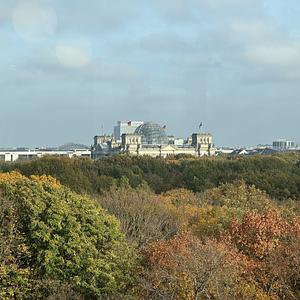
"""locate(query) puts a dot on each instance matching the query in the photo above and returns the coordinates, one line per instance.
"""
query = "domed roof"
(152, 134)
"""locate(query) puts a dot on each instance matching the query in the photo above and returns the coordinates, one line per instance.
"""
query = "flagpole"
(200, 127)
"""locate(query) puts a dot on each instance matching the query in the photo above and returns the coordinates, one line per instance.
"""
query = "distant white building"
(225, 150)
(11, 155)
(283, 144)
(125, 127)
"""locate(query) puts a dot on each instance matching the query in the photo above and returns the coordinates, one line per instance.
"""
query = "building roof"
(152, 134)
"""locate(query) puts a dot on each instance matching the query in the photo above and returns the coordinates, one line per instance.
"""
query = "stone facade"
(201, 146)
(198, 145)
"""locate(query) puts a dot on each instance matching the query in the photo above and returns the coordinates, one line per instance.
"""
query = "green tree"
(60, 236)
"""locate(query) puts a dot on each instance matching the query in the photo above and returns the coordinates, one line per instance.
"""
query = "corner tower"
(203, 144)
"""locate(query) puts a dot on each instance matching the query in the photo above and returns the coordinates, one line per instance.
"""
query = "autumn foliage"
(242, 247)
(55, 242)
(182, 229)
(272, 246)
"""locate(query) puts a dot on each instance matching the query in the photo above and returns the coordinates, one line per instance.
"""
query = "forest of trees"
(143, 228)
(278, 175)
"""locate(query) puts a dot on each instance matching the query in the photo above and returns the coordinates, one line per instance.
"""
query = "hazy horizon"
(69, 67)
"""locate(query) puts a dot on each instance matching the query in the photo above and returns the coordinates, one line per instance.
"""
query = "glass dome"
(152, 134)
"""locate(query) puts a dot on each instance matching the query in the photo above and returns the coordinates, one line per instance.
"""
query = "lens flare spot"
(34, 21)
(73, 54)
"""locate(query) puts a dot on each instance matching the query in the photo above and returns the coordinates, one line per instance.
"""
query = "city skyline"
(67, 68)
(129, 127)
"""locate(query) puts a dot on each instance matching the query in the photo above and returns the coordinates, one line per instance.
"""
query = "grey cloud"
(188, 11)
(254, 30)
(33, 72)
(6, 8)
(166, 43)
(228, 63)
(258, 47)
(93, 16)
(274, 55)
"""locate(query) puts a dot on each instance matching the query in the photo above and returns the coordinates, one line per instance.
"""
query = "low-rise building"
(12, 155)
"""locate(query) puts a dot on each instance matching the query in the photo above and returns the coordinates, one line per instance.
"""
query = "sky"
(70, 68)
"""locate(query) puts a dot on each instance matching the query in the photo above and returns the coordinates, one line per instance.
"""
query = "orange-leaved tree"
(273, 246)
(188, 268)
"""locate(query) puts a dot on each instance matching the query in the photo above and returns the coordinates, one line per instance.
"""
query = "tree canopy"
(176, 229)
(50, 234)
(277, 175)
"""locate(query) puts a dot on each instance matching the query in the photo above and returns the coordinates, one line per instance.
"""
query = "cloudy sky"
(69, 67)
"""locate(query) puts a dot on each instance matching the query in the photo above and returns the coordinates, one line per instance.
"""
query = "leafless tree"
(143, 216)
